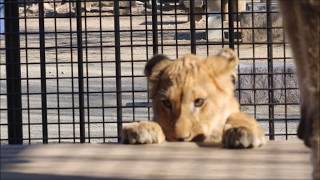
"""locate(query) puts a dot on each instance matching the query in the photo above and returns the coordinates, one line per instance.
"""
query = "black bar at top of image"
(231, 13)
(118, 67)
(192, 28)
(43, 74)
(270, 71)
(80, 72)
(154, 27)
(13, 72)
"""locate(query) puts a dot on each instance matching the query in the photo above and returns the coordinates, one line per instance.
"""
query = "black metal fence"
(71, 71)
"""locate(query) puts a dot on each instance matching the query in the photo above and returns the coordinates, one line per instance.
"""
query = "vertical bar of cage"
(285, 83)
(235, 15)
(176, 29)
(13, 72)
(43, 74)
(192, 28)
(132, 64)
(231, 25)
(161, 27)
(254, 62)
(118, 66)
(1, 63)
(102, 73)
(270, 70)
(87, 71)
(147, 53)
(207, 26)
(57, 72)
(27, 70)
(80, 71)
(154, 27)
(72, 75)
(222, 13)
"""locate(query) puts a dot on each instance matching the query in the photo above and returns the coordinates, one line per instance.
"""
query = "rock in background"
(67, 9)
(256, 17)
(284, 82)
(259, 22)
(50, 9)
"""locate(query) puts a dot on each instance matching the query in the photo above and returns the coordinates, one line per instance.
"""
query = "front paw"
(142, 133)
(242, 137)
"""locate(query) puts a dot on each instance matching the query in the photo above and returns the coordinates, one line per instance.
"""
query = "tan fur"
(302, 22)
(142, 133)
(193, 100)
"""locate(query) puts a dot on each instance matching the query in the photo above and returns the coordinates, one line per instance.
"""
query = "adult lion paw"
(242, 137)
(142, 133)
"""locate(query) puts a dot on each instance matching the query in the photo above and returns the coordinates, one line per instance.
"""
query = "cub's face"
(192, 96)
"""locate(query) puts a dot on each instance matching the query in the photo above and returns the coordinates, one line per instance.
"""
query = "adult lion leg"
(302, 23)
(242, 131)
(145, 132)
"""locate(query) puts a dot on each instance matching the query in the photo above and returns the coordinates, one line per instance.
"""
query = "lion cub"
(193, 100)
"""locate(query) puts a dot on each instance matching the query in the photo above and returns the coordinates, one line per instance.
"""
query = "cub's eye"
(166, 103)
(199, 102)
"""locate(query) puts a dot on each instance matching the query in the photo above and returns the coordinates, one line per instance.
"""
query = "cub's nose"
(181, 139)
(199, 138)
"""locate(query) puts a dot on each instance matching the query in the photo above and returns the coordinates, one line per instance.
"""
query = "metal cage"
(72, 71)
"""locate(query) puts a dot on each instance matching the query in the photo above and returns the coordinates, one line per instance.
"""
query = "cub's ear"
(155, 65)
(225, 62)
